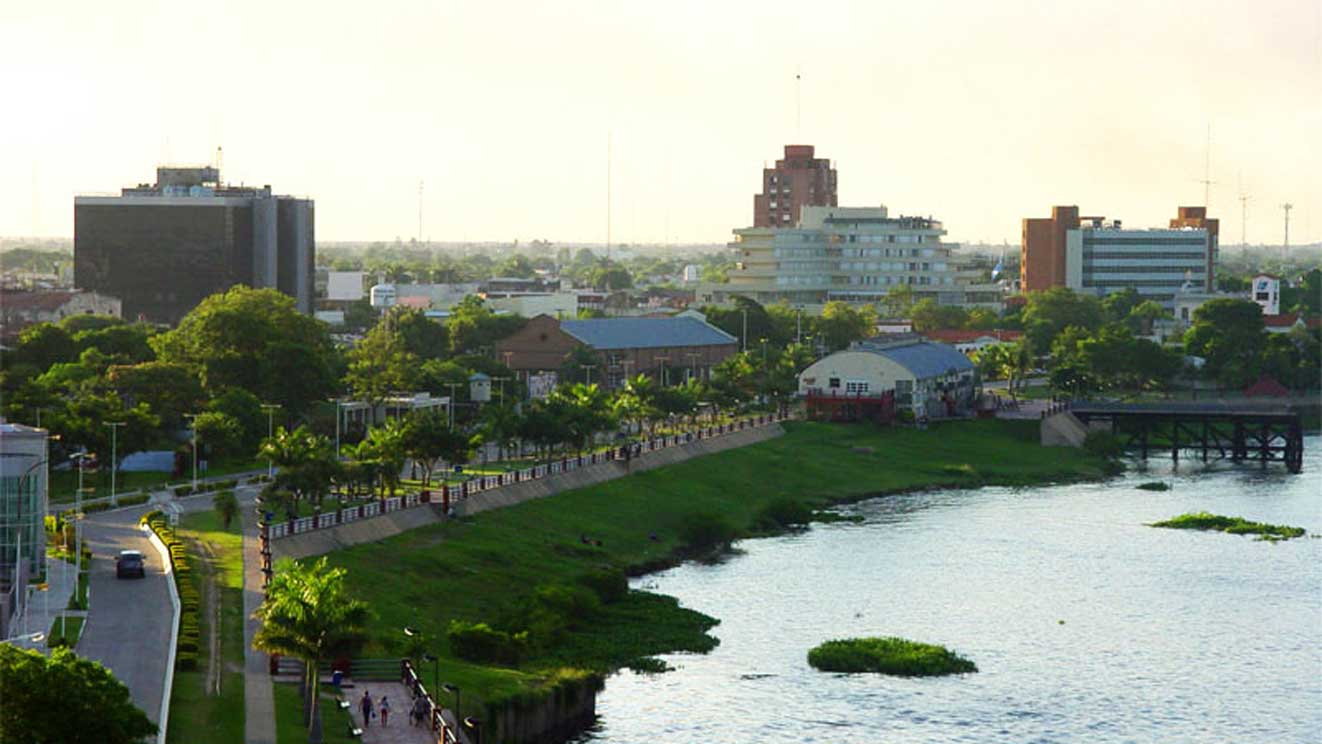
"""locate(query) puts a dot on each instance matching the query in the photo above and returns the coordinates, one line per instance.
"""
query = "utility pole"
(114, 457)
(450, 403)
(501, 390)
(744, 340)
(608, 196)
(662, 359)
(587, 370)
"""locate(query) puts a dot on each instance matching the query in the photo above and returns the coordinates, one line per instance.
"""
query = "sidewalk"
(258, 695)
(399, 731)
(44, 607)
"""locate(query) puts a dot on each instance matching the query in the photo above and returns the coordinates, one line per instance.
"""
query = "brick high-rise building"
(797, 180)
(162, 248)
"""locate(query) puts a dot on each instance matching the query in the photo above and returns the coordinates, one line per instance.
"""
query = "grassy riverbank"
(487, 569)
(894, 656)
(207, 702)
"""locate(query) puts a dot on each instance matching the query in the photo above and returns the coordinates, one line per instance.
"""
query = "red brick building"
(682, 346)
(798, 179)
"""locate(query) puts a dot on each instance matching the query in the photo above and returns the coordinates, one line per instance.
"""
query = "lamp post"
(458, 705)
(476, 726)
(270, 433)
(587, 371)
(192, 418)
(114, 457)
(501, 392)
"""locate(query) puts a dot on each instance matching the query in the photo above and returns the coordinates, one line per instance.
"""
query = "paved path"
(258, 695)
(44, 607)
(128, 625)
(399, 731)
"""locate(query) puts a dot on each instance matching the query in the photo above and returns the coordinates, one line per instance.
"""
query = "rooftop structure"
(799, 179)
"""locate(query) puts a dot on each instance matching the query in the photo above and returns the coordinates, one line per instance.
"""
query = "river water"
(1086, 625)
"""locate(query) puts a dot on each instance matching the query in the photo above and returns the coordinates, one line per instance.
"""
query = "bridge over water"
(1240, 431)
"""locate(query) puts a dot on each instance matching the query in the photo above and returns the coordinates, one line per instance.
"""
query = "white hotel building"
(1158, 263)
(851, 254)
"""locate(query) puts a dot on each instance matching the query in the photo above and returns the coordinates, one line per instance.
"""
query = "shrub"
(783, 513)
(481, 643)
(186, 661)
(889, 655)
(609, 585)
(1103, 444)
(706, 531)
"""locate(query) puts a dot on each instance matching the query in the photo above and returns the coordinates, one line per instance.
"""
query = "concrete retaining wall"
(388, 525)
(1063, 429)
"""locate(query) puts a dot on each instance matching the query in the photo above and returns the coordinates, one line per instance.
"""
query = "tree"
(842, 324)
(428, 437)
(309, 614)
(500, 424)
(1119, 304)
(246, 409)
(982, 319)
(1142, 317)
(1053, 310)
(127, 344)
(227, 506)
(898, 301)
(1229, 335)
(381, 364)
(169, 390)
(45, 344)
(220, 434)
(81, 423)
(610, 276)
(423, 337)
(929, 316)
(385, 447)
(257, 340)
(65, 699)
(586, 410)
(307, 465)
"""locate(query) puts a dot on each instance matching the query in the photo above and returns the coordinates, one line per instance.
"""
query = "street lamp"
(192, 418)
(458, 706)
(114, 457)
(436, 663)
(476, 726)
(270, 433)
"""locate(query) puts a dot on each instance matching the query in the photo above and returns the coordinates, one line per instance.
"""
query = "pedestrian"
(366, 705)
(385, 711)
(420, 711)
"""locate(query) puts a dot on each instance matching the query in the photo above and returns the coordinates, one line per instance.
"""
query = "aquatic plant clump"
(1231, 525)
(1154, 486)
(888, 655)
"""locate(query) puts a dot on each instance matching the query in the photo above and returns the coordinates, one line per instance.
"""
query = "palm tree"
(386, 445)
(309, 615)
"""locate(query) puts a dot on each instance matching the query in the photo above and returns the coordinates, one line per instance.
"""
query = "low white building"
(929, 379)
(18, 310)
(1266, 292)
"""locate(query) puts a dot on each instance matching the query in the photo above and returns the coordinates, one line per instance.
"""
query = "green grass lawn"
(480, 568)
(289, 728)
(72, 627)
(196, 715)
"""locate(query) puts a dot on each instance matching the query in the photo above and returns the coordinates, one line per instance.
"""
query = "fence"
(409, 678)
(448, 493)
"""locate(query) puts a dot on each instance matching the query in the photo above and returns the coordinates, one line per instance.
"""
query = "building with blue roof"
(932, 380)
(670, 349)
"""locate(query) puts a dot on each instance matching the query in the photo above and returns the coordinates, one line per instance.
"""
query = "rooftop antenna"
(608, 196)
(1285, 250)
(1243, 215)
(798, 105)
(35, 233)
(419, 210)
(1207, 170)
(220, 160)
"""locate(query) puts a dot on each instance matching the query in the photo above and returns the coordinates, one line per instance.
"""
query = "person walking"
(366, 706)
(420, 711)
(385, 711)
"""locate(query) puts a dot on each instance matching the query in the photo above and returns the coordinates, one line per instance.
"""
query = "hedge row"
(190, 601)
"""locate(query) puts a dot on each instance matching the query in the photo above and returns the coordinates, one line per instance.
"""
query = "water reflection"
(1086, 624)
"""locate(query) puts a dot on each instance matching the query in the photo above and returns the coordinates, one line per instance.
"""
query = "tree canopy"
(65, 699)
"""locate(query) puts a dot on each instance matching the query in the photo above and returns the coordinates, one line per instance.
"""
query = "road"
(128, 627)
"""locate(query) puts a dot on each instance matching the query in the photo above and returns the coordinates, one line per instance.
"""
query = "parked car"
(130, 563)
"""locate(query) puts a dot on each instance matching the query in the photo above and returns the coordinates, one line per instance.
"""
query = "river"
(1086, 625)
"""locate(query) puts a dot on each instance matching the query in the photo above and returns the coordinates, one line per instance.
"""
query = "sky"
(977, 113)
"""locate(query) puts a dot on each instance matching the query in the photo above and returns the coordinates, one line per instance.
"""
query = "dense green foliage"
(888, 655)
(64, 699)
(487, 569)
(1231, 525)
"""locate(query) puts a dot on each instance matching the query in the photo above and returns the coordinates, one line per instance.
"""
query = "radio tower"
(1243, 222)
(1285, 250)
(419, 211)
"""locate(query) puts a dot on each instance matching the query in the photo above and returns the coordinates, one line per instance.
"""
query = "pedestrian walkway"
(399, 730)
(258, 695)
(43, 607)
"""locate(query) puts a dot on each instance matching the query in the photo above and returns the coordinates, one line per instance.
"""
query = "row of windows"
(1143, 269)
(1144, 241)
(886, 238)
(1145, 256)
(814, 280)
(892, 266)
(1137, 283)
(787, 252)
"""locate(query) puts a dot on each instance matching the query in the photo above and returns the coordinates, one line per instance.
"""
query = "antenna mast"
(1207, 169)
(1286, 248)
(1243, 221)
(798, 106)
(608, 196)
(419, 210)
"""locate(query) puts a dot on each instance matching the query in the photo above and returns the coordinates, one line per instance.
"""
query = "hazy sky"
(979, 113)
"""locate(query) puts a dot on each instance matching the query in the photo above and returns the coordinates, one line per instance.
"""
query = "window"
(856, 386)
(834, 382)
